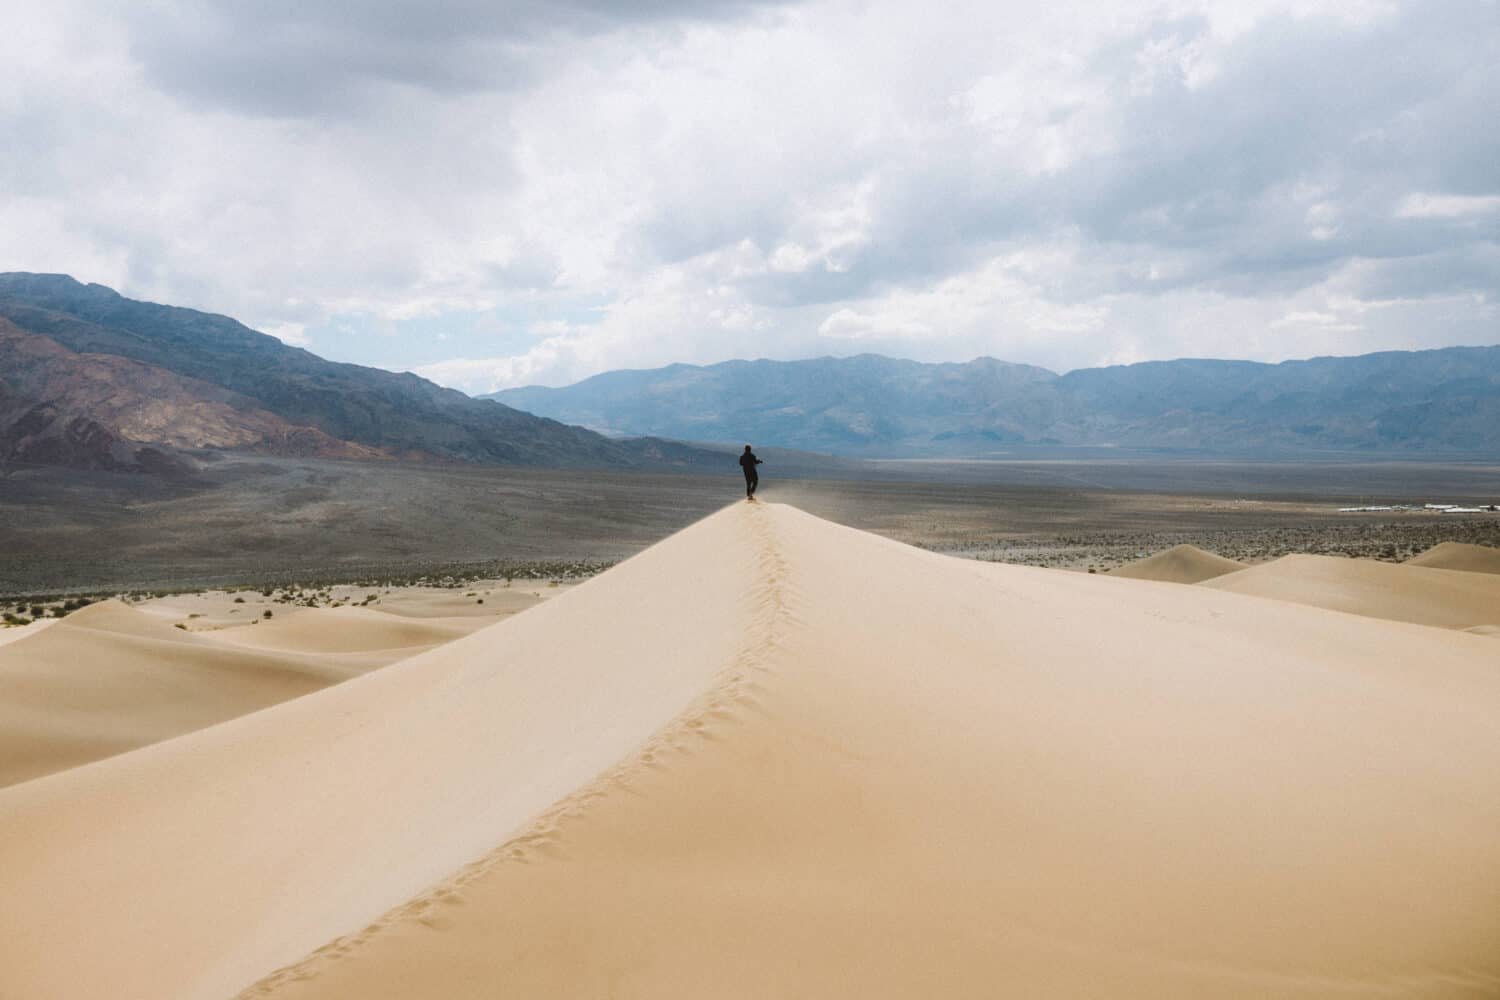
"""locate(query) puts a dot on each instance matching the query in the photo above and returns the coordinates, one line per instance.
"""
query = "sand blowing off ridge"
(772, 756)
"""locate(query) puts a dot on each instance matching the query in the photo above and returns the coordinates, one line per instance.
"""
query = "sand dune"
(15, 633)
(1400, 592)
(110, 678)
(347, 630)
(1179, 564)
(772, 757)
(1460, 556)
(483, 600)
(418, 602)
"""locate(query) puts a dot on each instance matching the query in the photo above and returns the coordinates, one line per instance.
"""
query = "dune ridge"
(111, 678)
(16, 633)
(773, 756)
(1402, 592)
(1179, 564)
(1459, 556)
(353, 799)
(346, 630)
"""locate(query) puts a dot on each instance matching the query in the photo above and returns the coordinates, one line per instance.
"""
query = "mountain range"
(1397, 402)
(91, 379)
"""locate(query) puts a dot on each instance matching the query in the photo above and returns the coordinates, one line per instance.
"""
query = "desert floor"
(307, 524)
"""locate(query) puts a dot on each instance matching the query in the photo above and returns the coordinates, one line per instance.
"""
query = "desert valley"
(750, 500)
(297, 703)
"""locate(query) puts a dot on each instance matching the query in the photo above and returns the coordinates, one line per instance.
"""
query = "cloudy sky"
(504, 193)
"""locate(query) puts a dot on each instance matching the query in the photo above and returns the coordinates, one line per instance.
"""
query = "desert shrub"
(267, 613)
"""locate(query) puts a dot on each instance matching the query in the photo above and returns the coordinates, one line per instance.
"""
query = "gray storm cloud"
(300, 58)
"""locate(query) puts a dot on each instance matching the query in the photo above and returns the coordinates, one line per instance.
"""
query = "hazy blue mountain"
(212, 376)
(1401, 401)
(833, 405)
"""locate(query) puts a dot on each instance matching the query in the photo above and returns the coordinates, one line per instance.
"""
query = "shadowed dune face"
(1459, 556)
(1400, 592)
(772, 757)
(111, 678)
(1179, 564)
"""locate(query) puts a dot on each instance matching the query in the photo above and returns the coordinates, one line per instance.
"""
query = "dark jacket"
(748, 462)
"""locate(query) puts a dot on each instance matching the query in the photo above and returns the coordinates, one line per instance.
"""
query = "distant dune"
(1401, 592)
(347, 630)
(1179, 564)
(111, 678)
(1460, 556)
(771, 756)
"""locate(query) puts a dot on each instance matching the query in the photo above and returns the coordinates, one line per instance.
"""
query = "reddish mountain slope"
(136, 402)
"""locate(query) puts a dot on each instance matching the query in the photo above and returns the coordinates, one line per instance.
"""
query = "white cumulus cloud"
(694, 180)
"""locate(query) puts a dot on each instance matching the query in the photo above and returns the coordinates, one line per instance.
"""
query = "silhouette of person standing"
(748, 462)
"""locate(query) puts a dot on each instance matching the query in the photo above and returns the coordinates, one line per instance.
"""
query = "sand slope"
(15, 633)
(1460, 556)
(347, 630)
(1400, 592)
(1179, 564)
(110, 678)
(775, 757)
(483, 601)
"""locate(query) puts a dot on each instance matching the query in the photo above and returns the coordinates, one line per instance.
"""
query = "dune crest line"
(769, 606)
(303, 823)
(971, 780)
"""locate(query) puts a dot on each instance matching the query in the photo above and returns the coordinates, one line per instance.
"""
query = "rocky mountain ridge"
(1396, 402)
(174, 378)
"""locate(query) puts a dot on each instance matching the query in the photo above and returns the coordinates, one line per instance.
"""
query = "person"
(748, 462)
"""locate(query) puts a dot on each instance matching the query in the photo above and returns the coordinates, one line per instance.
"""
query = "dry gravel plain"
(253, 521)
